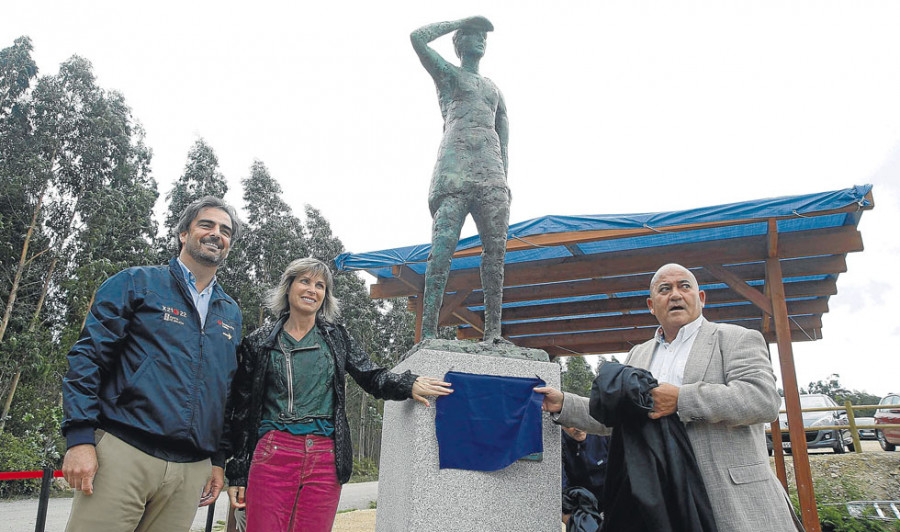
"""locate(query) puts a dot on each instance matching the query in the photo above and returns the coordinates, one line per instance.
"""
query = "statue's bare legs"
(490, 210)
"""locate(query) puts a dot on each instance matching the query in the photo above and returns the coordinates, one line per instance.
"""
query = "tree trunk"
(35, 318)
(9, 398)
(20, 268)
(362, 423)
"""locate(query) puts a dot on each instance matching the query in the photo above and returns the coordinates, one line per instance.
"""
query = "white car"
(866, 434)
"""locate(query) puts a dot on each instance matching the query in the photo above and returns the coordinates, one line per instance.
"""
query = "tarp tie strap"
(520, 239)
(569, 350)
(802, 329)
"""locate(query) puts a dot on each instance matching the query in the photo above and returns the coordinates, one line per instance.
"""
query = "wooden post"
(778, 453)
(854, 432)
(802, 475)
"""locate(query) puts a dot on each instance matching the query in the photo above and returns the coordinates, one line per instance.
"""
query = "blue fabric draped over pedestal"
(488, 422)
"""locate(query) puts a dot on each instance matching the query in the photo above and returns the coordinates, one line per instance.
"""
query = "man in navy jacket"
(148, 379)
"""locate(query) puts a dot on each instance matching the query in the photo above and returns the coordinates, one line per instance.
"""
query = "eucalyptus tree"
(19, 183)
(201, 177)
(273, 238)
(361, 316)
(578, 377)
(17, 70)
(20, 279)
(82, 142)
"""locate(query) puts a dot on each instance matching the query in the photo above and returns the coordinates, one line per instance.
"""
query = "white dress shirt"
(669, 358)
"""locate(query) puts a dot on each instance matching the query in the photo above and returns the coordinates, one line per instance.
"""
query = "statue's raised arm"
(470, 173)
(431, 60)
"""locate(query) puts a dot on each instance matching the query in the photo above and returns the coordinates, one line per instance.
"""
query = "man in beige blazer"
(718, 379)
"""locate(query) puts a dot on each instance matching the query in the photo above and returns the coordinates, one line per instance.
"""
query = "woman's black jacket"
(247, 393)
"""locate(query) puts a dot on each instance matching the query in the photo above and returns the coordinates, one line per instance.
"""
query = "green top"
(299, 392)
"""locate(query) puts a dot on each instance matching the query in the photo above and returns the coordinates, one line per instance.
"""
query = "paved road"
(19, 516)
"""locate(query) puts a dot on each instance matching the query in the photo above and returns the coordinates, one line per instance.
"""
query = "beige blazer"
(728, 393)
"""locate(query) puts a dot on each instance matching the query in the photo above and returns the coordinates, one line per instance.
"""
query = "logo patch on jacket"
(174, 315)
(228, 329)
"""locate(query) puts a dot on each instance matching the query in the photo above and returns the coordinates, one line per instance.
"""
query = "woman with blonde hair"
(289, 432)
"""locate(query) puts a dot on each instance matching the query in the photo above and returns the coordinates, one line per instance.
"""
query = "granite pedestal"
(414, 494)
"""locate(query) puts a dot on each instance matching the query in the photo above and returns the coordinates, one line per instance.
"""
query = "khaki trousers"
(136, 491)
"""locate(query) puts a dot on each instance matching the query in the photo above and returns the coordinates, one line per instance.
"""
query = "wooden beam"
(577, 237)
(816, 242)
(644, 319)
(595, 349)
(467, 316)
(636, 335)
(802, 474)
(408, 278)
(623, 304)
(603, 348)
(806, 335)
(451, 303)
(830, 265)
(740, 286)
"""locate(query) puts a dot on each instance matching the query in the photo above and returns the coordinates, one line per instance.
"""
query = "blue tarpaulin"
(795, 213)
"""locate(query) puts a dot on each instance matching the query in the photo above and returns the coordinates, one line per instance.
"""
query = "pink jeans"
(293, 484)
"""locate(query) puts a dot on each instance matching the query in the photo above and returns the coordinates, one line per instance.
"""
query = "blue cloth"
(488, 422)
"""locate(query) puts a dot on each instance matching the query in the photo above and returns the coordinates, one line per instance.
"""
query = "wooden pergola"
(577, 286)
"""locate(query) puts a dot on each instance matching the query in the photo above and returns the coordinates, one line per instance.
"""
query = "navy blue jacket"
(584, 464)
(145, 371)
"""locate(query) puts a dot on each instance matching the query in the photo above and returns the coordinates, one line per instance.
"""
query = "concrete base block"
(415, 495)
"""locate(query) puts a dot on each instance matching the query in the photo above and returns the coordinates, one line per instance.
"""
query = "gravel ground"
(872, 475)
(357, 521)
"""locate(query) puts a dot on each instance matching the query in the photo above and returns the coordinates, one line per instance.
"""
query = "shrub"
(836, 518)
(364, 470)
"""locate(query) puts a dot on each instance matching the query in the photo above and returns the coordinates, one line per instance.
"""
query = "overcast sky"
(614, 107)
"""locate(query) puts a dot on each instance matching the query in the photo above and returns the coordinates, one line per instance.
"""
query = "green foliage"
(364, 470)
(19, 454)
(836, 518)
(831, 386)
(17, 69)
(75, 179)
(201, 177)
(76, 185)
(273, 238)
(30, 445)
(578, 377)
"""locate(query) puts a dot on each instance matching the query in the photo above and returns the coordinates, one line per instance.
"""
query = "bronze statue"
(470, 173)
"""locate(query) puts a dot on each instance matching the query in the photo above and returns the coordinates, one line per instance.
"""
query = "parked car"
(866, 434)
(838, 440)
(888, 438)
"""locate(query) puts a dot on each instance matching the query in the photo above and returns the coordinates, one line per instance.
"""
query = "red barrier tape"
(19, 475)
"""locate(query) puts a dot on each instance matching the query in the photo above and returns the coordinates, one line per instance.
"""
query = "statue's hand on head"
(477, 23)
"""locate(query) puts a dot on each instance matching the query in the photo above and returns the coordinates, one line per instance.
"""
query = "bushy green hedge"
(20, 454)
(30, 441)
